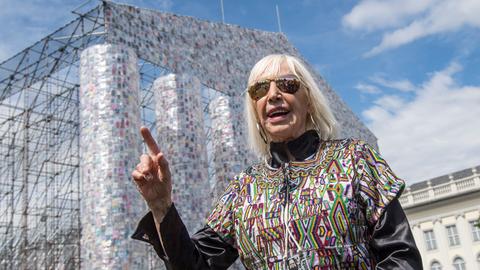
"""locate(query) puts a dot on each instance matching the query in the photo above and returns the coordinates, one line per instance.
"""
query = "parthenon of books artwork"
(70, 109)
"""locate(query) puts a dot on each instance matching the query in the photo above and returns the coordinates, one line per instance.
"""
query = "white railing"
(445, 190)
(442, 189)
(465, 184)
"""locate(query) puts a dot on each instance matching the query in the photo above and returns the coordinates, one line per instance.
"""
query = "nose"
(273, 92)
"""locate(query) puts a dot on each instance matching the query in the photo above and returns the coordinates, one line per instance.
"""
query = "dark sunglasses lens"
(258, 90)
(288, 85)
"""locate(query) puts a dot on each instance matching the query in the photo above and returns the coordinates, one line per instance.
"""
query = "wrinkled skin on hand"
(152, 177)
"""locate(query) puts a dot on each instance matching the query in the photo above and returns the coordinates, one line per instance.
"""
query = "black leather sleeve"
(204, 250)
(392, 242)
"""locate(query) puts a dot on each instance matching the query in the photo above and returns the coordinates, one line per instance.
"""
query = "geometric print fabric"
(313, 214)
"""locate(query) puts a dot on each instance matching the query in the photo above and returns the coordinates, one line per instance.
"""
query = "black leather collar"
(295, 150)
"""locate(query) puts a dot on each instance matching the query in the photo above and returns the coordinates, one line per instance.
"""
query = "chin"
(281, 134)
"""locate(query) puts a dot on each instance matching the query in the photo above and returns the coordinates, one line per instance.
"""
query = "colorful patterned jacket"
(316, 205)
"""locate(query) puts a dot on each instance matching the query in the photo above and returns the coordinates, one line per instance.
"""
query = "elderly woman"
(314, 202)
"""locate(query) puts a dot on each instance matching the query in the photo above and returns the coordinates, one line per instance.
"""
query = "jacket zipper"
(286, 179)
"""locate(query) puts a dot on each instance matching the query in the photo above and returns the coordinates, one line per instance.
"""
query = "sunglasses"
(286, 85)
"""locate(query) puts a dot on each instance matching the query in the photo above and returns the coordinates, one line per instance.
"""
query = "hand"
(152, 176)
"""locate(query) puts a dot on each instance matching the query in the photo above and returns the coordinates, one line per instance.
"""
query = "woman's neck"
(295, 150)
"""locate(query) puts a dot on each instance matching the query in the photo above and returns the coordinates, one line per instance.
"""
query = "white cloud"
(381, 14)
(367, 88)
(435, 133)
(402, 85)
(411, 19)
(390, 103)
(378, 81)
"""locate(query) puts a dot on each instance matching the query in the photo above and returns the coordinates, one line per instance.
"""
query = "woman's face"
(283, 116)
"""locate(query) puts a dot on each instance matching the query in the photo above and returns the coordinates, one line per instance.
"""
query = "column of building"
(109, 144)
(230, 152)
(181, 136)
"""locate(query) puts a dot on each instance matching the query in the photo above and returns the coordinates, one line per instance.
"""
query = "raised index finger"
(151, 143)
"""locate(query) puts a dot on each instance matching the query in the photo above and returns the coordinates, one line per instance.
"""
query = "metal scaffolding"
(39, 151)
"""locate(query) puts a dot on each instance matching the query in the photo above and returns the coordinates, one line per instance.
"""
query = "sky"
(407, 68)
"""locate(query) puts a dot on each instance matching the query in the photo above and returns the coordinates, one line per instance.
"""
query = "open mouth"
(277, 112)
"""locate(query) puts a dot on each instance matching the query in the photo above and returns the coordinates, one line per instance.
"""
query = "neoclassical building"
(442, 213)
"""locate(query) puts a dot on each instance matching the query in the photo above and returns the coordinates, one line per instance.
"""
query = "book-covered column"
(230, 154)
(181, 136)
(109, 143)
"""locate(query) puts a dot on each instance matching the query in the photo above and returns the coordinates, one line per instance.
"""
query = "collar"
(297, 149)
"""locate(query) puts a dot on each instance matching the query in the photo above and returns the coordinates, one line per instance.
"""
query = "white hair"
(269, 67)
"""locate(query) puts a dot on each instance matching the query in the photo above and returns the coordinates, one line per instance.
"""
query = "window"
(430, 240)
(453, 238)
(459, 264)
(436, 266)
(475, 230)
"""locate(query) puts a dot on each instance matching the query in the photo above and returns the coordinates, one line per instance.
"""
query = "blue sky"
(407, 68)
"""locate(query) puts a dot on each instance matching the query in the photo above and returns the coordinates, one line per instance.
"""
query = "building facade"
(443, 213)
